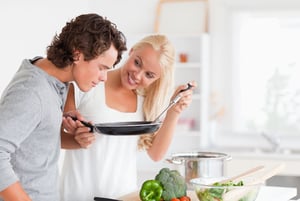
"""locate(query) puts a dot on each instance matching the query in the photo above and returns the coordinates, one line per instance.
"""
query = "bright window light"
(266, 63)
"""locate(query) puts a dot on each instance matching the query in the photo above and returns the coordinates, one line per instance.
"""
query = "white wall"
(131, 16)
(27, 27)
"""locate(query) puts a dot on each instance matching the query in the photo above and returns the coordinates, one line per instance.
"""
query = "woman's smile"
(131, 79)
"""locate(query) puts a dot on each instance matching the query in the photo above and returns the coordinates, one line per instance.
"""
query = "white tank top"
(107, 168)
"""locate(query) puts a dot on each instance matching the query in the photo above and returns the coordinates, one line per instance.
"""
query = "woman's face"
(88, 74)
(141, 69)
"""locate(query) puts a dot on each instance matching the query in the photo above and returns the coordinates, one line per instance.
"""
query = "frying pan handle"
(188, 87)
(173, 101)
(177, 98)
(174, 161)
(104, 199)
(85, 123)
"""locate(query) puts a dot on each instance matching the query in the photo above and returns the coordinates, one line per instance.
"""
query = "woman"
(138, 90)
(31, 105)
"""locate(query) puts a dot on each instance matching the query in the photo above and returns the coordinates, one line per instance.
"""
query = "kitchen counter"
(245, 158)
(272, 193)
(267, 193)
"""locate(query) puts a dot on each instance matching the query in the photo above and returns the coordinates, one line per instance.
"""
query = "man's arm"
(14, 192)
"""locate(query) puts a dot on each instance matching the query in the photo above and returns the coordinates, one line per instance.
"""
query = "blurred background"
(243, 54)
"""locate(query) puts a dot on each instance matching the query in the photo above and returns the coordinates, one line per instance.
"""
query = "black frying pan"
(124, 128)
(132, 127)
(104, 199)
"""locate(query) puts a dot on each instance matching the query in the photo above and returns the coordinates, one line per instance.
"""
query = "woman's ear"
(130, 51)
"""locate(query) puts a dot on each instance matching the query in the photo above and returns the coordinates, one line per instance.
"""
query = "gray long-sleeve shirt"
(30, 118)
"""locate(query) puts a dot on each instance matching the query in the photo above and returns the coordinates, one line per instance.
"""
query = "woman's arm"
(163, 137)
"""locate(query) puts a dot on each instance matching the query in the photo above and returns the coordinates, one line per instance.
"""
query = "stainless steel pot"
(200, 164)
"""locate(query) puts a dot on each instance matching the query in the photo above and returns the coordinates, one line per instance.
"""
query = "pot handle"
(173, 161)
(228, 158)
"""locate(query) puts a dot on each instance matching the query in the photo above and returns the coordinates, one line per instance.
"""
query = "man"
(32, 104)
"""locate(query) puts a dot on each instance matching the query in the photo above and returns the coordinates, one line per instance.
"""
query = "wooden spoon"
(236, 194)
(242, 175)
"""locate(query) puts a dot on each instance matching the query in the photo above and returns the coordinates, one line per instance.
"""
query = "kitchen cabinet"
(192, 63)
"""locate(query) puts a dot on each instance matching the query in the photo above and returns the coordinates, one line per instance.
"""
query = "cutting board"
(135, 196)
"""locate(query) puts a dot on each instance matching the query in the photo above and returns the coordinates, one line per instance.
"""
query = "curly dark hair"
(91, 34)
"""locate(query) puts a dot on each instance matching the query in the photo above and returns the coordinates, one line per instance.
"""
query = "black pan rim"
(128, 124)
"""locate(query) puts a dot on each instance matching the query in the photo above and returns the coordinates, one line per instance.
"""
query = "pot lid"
(200, 156)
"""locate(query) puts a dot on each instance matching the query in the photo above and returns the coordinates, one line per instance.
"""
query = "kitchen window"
(255, 73)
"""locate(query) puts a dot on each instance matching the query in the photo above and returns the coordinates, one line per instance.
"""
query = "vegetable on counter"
(151, 191)
(168, 185)
(216, 194)
(183, 198)
(173, 183)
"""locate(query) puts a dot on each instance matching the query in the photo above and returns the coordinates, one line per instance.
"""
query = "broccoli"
(173, 183)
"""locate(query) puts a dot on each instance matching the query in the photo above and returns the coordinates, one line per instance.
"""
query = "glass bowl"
(208, 189)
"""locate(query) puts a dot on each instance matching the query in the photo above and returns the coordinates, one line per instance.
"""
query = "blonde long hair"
(157, 95)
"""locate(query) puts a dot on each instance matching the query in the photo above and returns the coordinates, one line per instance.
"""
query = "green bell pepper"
(151, 191)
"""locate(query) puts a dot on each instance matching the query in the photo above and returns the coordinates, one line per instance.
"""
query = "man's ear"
(76, 55)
